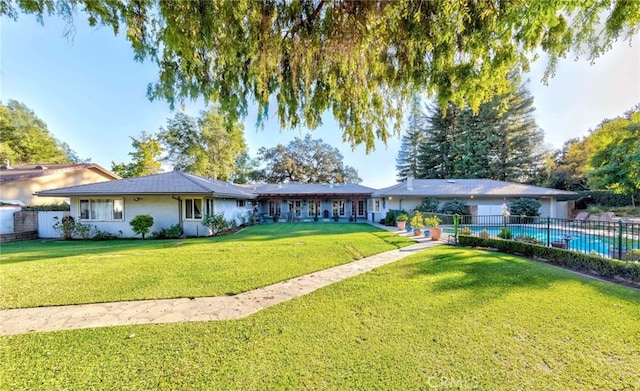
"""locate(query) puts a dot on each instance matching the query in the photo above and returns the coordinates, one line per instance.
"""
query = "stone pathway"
(26, 320)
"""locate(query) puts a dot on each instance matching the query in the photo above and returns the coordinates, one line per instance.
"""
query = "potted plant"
(336, 217)
(417, 222)
(401, 221)
(434, 223)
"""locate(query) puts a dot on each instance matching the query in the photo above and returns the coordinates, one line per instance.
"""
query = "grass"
(444, 318)
(36, 274)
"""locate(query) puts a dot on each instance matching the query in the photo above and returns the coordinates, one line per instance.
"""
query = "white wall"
(6, 218)
(46, 221)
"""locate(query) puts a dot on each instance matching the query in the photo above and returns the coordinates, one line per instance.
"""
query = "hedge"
(608, 198)
(605, 267)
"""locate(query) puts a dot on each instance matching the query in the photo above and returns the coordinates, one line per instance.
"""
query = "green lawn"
(36, 274)
(446, 318)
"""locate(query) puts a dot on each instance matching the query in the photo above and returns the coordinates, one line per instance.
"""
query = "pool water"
(577, 241)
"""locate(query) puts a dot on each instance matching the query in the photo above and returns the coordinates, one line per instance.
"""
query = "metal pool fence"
(610, 239)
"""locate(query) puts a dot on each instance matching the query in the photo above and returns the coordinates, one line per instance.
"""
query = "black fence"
(610, 239)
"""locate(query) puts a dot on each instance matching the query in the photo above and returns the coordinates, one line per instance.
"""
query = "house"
(483, 196)
(170, 198)
(19, 183)
(181, 198)
(305, 201)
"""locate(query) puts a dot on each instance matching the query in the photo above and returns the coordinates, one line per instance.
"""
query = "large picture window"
(101, 209)
(192, 208)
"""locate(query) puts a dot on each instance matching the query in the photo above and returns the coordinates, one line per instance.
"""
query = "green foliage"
(608, 198)
(62, 207)
(24, 138)
(203, 146)
(408, 160)
(141, 224)
(360, 60)
(568, 169)
(432, 221)
(305, 161)
(454, 207)
(575, 260)
(505, 233)
(100, 235)
(429, 205)
(173, 232)
(390, 219)
(64, 226)
(216, 223)
(525, 207)
(465, 231)
(417, 220)
(615, 161)
(145, 158)
(501, 141)
(402, 217)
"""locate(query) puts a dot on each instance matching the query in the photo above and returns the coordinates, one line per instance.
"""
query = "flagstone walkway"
(69, 317)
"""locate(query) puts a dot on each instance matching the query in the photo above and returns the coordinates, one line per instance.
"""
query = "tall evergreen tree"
(488, 144)
(408, 158)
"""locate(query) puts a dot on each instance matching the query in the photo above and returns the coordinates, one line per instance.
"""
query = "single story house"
(20, 182)
(483, 196)
(181, 198)
(170, 198)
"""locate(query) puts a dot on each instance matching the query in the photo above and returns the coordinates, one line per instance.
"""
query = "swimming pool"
(574, 240)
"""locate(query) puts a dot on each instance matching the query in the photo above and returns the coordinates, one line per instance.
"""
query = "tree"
(568, 171)
(408, 159)
(615, 161)
(145, 157)
(203, 146)
(358, 59)
(306, 161)
(24, 138)
(494, 143)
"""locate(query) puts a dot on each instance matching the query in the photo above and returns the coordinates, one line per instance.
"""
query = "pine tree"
(409, 154)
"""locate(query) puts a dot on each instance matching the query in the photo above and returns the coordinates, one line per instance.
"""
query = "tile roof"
(175, 182)
(28, 171)
(310, 189)
(468, 187)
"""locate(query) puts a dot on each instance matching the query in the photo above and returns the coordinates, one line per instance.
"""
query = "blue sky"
(92, 94)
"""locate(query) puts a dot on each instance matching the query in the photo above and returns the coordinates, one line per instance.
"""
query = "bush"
(65, 227)
(417, 220)
(62, 207)
(603, 266)
(141, 224)
(217, 224)
(505, 233)
(173, 232)
(525, 207)
(465, 231)
(429, 205)
(455, 207)
(605, 198)
(106, 235)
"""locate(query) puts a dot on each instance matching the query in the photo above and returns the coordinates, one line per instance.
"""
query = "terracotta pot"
(436, 233)
(402, 225)
(417, 232)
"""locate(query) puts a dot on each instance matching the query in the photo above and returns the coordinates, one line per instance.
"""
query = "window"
(376, 205)
(358, 208)
(314, 206)
(241, 203)
(338, 208)
(274, 209)
(193, 208)
(101, 209)
(209, 209)
(295, 206)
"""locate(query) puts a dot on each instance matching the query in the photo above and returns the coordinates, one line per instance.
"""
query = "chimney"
(410, 182)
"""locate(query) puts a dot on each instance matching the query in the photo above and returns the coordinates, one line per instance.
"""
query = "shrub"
(141, 224)
(390, 219)
(106, 235)
(432, 221)
(505, 233)
(605, 198)
(465, 231)
(217, 224)
(402, 217)
(417, 220)
(603, 266)
(454, 207)
(484, 234)
(525, 207)
(65, 226)
(84, 230)
(62, 207)
(429, 205)
(173, 232)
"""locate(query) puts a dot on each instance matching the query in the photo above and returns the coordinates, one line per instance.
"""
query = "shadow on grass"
(38, 250)
(488, 275)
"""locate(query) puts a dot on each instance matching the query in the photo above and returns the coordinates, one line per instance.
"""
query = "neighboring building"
(170, 198)
(22, 181)
(483, 196)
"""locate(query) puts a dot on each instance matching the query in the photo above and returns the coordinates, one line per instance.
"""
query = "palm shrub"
(141, 224)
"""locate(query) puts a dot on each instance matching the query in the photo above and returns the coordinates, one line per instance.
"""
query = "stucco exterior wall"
(23, 189)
